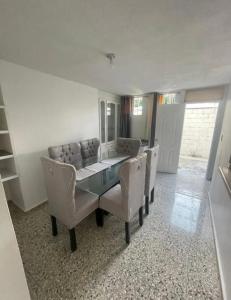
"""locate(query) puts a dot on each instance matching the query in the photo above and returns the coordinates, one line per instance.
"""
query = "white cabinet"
(109, 125)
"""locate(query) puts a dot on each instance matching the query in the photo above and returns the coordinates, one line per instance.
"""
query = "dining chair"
(65, 203)
(127, 198)
(150, 177)
(128, 146)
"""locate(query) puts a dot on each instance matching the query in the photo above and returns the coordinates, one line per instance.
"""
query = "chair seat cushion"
(86, 203)
(111, 201)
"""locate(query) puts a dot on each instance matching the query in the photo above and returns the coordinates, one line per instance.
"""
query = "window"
(167, 99)
(108, 110)
(138, 106)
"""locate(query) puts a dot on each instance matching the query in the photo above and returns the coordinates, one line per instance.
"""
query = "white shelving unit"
(6, 156)
(4, 131)
(8, 173)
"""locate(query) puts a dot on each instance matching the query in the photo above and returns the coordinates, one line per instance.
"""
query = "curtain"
(153, 122)
(213, 94)
(125, 118)
(149, 107)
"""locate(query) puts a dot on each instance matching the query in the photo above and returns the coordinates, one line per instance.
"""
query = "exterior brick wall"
(198, 131)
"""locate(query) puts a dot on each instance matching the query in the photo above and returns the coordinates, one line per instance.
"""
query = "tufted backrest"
(68, 153)
(132, 181)
(128, 146)
(89, 151)
(151, 168)
(60, 180)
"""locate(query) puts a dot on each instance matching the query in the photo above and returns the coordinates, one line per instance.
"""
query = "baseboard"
(36, 205)
(16, 204)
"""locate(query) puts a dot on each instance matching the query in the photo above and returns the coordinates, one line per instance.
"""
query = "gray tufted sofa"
(79, 155)
(89, 151)
(85, 152)
(69, 153)
(128, 146)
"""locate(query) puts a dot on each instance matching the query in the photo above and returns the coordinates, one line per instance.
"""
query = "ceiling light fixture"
(111, 57)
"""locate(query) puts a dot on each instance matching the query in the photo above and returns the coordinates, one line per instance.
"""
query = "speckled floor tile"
(172, 256)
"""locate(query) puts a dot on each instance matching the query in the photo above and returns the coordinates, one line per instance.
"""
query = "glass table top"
(102, 181)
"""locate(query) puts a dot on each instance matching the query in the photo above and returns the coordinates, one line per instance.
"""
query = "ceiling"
(159, 45)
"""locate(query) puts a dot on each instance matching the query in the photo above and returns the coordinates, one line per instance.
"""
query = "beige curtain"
(205, 95)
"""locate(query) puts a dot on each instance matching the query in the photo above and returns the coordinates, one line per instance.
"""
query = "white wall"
(44, 110)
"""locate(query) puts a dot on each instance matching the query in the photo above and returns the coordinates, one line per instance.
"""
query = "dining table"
(102, 180)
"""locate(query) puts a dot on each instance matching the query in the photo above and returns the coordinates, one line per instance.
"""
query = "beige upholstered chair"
(127, 198)
(65, 203)
(150, 178)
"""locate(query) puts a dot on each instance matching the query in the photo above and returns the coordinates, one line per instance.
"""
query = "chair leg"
(72, 239)
(54, 226)
(99, 217)
(152, 195)
(146, 205)
(127, 232)
(141, 216)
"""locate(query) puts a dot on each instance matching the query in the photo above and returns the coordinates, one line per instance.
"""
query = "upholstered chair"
(66, 204)
(89, 151)
(128, 146)
(127, 198)
(69, 153)
(150, 177)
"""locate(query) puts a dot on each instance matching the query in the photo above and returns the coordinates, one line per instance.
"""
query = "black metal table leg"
(54, 226)
(72, 239)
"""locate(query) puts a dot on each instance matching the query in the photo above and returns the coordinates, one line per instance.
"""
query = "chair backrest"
(60, 180)
(132, 181)
(151, 168)
(128, 146)
(89, 151)
(68, 153)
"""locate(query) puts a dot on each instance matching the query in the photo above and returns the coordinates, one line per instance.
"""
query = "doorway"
(198, 129)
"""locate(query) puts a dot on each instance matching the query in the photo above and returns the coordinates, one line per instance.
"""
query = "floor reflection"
(185, 212)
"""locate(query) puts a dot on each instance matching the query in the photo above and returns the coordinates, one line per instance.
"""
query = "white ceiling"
(159, 44)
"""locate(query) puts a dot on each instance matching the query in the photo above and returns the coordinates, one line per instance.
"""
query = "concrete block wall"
(198, 131)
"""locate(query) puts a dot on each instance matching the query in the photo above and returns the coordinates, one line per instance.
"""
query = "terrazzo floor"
(193, 163)
(171, 257)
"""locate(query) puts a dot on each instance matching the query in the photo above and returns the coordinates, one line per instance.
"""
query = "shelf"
(4, 131)
(7, 175)
(5, 155)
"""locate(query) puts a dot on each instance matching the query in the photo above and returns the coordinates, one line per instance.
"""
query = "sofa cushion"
(68, 153)
(89, 151)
